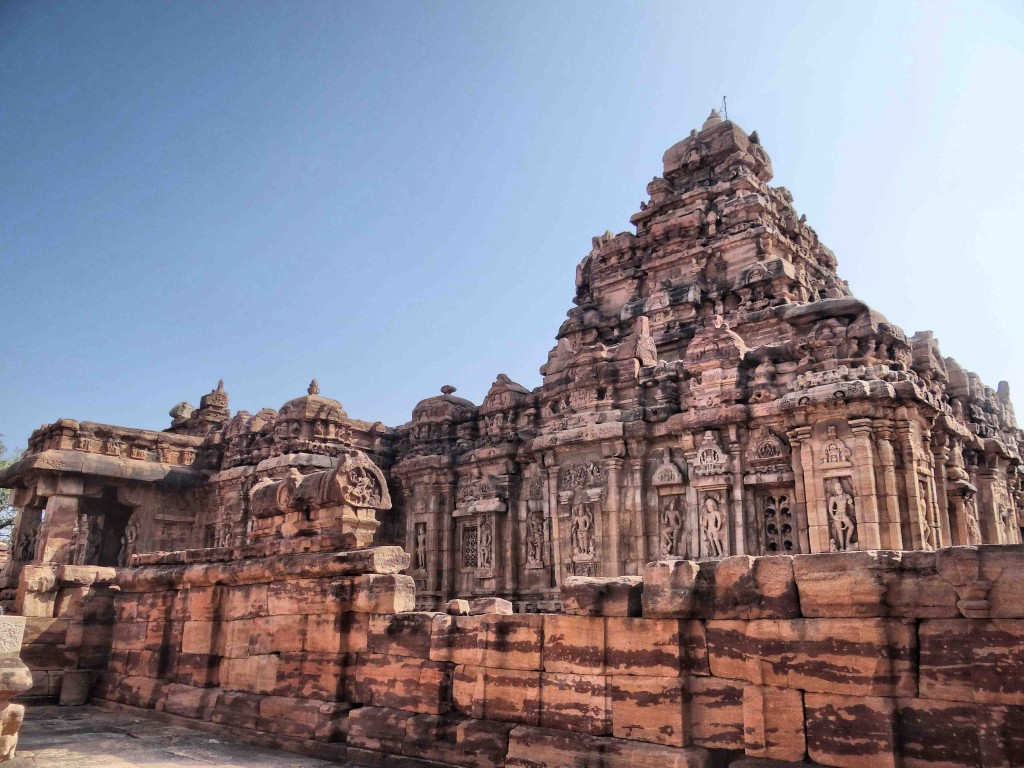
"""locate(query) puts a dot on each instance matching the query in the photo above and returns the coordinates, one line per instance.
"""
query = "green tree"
(7, 512)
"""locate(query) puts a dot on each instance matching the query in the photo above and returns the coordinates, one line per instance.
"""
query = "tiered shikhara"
(716, 390)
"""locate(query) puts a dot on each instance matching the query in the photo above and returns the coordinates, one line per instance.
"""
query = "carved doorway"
(106, 521)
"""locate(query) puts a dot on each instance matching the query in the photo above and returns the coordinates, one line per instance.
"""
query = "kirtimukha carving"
(715, 389)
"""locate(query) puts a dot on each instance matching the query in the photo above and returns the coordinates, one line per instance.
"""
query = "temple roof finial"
(314, 388)
(713, 119)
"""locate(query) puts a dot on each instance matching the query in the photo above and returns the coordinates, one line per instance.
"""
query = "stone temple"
(724, 435)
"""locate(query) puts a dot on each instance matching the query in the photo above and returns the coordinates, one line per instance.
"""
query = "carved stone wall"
(714, 391)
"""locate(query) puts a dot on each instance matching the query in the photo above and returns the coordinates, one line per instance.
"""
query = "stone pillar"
(917, 507)
(817, 516)
(739, 527)
(611, 508)
(636, 470)
(960, 530)
(868, 524)
(891, 531)
(988, 511)
(797, 438)
(57, 532)
(445, 504)
(635, 506)
(940, 455)
(551, 474)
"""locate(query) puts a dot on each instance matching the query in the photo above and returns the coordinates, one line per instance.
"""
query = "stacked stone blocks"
(847, 660)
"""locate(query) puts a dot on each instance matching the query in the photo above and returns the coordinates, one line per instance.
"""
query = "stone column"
(551, 474)
(988, 512)
(868, 524)
(57, 531)
(797, 438)
(891, 530)
(917, 507)
(961, 535)
(611, 508)
(739, 528)
(940, 455)
(636, 506)
(636, 470)
(817, 517)
(445, 504)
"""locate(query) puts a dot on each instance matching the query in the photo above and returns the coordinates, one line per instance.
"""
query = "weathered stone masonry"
(855, 659)
(743, 519)
(715, 391)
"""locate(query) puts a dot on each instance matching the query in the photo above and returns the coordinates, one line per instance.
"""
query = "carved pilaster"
(890, 529)
(739, 519)
(612, 467)
(809, 514)
(868, 526)
(550, 473)
(917, 504)
(798, 437)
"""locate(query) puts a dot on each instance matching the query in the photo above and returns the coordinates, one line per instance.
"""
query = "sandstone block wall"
(852, 660)
(69, 614)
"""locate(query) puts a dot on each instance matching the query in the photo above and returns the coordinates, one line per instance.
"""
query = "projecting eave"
(96, 465)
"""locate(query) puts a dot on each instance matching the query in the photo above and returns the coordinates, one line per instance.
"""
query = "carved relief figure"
(671, 525)
(582, 535)
(128, 542)
(922, 517)
(486, 559)
(711, 524)
(973, 528)
(535, 539)
(841, 516)
(362, 490)
(421, 546)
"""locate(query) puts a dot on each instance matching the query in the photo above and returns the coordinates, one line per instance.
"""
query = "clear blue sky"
(393, 196)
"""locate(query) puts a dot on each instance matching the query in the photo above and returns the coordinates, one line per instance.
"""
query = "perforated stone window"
(778, 526)
(471, 546)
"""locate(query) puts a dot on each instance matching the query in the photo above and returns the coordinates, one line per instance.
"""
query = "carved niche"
(581, 488)
(477, 503)
(842, 514)
(670, 481)
(713, 519)
(536, 528)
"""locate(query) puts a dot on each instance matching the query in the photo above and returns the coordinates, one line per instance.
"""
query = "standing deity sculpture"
(486, 544)
(841, 516)
(671, 525)
(535, 539)
(712, 523)
(421, 546)
(582, 535)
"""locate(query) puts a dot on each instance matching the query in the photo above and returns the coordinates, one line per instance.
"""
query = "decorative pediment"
(715, 346)
(710, 459)
(667, 473)
(503, 394)
(767, 448)
(478, 494)
(834, 453)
